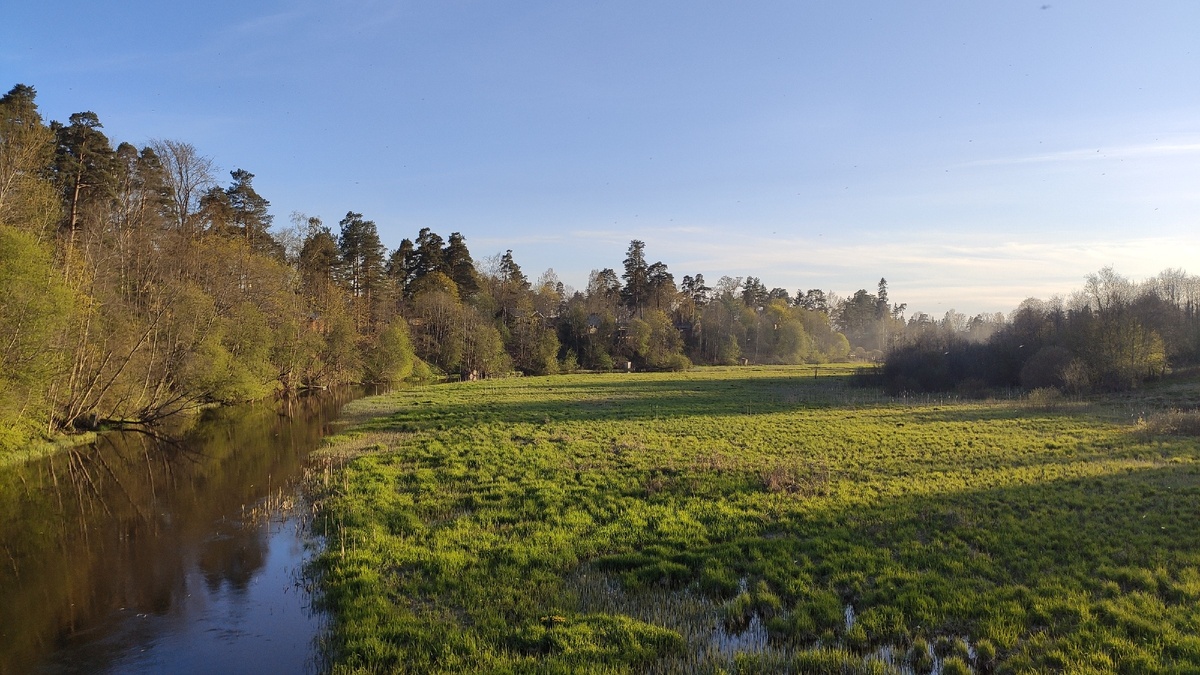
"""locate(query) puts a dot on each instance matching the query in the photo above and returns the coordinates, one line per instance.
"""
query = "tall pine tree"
(363, 266)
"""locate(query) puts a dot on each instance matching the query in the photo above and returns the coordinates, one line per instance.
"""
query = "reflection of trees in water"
(232, 557)
(119, 524)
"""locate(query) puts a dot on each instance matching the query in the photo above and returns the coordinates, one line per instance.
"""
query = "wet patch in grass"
(756, 520)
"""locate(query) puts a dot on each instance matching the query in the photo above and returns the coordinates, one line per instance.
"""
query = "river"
(142, 555)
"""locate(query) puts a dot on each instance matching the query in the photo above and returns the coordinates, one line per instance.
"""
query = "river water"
(140, 555)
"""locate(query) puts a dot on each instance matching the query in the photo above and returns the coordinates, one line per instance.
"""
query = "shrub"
(1044, 398)
(1170, 423)
(1076, 378)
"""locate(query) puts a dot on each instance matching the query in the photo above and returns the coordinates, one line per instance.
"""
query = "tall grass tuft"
(1170, 423)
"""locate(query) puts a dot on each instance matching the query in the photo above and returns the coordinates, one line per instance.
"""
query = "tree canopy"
(133, 286)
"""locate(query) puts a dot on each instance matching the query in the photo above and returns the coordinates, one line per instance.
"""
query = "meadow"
(760, 520)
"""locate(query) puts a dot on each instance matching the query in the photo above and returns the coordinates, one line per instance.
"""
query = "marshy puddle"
(710, 640)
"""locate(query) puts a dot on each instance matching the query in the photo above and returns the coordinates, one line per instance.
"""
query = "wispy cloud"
(1142, 151)
(270, 22)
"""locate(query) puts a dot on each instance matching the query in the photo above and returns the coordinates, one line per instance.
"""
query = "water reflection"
(141, 554)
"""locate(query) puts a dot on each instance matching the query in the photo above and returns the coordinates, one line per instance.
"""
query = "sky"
(974, 154)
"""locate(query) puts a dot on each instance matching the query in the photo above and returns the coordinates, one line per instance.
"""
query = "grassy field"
(760, 520)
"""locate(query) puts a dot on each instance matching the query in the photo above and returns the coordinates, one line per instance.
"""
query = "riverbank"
(758, 519)
(43, 448)
(185, 554)
(172, 426)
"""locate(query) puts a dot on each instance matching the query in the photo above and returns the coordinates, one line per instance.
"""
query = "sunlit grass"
(757, 520)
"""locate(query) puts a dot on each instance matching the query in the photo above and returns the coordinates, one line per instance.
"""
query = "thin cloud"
(270, 22)
(1144, 151)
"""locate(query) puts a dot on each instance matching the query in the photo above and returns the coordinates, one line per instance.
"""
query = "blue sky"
(973, 153)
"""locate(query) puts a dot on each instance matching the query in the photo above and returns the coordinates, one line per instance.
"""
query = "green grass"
(758, 520)
(34, 450)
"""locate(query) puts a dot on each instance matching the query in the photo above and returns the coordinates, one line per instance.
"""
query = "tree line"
(134, 284)
(1111, 335)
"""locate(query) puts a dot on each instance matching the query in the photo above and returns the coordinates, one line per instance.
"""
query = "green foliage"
(230, 363)
(655, 344)
(594, 639)
(421, 371)
(28, 201)
(826, 661)
(955, 665)
(389, 358)
(438, 320)
(1116, 336)
(166, 292)
(319, 265)
(363, 269)
(1041, 540)
(248, 217)
(34, 308)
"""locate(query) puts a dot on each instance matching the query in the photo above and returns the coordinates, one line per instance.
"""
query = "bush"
(1076, 378)
(569, 363)
(604, 362)
(1044, 398)
(421, 372)
(390, 358)
(1171, 423)
(985, 652)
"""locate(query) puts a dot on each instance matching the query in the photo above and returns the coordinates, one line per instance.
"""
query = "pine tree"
(459, 265)
(320, 262)
(83, 171)
(637, 277)
(429, 254)
(510, 272)
(249, 216)
(27, 198)
(363, 261)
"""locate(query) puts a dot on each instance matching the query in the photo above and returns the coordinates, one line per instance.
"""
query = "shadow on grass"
(1096, 572)
(608, 398)
(1096, 568)
(1051, 573)
(831, 406)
